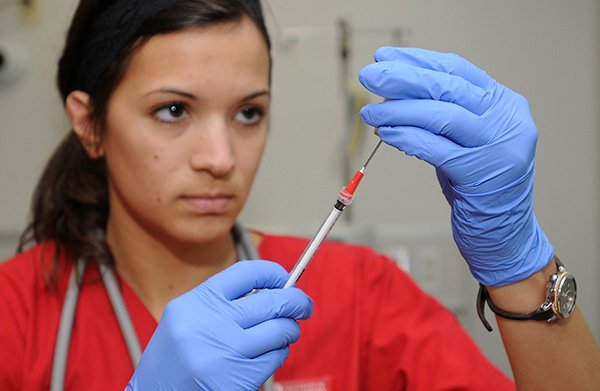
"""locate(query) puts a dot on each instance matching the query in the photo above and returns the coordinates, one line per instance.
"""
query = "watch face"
(566, 295)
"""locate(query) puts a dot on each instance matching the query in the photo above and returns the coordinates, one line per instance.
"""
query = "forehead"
(233, 53)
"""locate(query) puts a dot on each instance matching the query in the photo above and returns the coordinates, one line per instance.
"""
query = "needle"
(344, 199)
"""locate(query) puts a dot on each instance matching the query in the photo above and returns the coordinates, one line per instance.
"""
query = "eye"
(172, 112)
(250, 115)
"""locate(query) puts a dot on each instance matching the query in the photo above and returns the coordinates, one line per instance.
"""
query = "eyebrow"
(257, 94)
(194, 97)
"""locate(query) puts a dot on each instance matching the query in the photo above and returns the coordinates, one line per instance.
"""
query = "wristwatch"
(559, 304)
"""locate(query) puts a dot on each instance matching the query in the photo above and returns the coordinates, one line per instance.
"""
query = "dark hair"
(70, 202)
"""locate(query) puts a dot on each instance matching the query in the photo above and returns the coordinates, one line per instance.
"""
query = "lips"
(209, 204)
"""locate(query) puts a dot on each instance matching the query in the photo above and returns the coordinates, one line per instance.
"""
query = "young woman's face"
(185, 132)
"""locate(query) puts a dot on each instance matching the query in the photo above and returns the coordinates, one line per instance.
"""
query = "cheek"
(136, 170)
(158, 176)
(158, 197)
(138, 162)
(250, 155)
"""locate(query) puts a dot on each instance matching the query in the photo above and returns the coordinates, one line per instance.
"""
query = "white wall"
(31, 115)
(548, 50)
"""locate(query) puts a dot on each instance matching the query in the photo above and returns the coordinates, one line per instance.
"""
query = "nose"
(213, 149)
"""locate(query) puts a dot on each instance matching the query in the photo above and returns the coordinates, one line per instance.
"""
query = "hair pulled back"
(70, 202)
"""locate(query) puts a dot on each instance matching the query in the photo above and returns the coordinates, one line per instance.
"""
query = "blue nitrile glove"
(215, 338)
(481, 139)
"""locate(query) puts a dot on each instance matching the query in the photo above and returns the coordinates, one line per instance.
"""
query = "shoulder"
(352, 277)
(286, 248)
(24, 275)
(342, 262)
(24, 300)
(25, 267)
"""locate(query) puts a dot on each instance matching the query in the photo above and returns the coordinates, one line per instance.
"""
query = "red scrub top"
(372, 328)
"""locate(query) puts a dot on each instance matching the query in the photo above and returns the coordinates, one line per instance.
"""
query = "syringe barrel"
(345, 197)
(312, 247)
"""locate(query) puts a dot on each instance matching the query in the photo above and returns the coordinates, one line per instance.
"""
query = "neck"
(158, 272)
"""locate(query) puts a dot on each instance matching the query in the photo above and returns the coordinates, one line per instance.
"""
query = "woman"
(169, 102)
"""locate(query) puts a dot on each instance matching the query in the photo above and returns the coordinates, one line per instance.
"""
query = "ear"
(79, 111)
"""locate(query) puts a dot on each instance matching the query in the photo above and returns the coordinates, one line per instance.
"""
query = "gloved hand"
(215, 338)
(481, 139)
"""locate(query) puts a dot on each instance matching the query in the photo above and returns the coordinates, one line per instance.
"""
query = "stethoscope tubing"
(245, 249)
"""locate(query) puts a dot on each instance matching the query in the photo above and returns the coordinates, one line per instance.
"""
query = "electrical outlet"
(30, 12)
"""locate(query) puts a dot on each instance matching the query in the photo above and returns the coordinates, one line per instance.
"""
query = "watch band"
(544, 312)
(483, 296)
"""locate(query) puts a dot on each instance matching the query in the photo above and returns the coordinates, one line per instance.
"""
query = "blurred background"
(547, 50)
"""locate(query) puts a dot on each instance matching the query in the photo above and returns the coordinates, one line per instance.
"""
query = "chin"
(207, 231)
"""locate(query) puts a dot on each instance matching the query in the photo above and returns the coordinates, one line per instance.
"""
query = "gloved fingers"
(397, 80)
(435, 150)
(445, 185)
(447, 119)
(271, 335)
(255, 372)
(242, 277)
(271, 304)
(443, 62)
(271, 361)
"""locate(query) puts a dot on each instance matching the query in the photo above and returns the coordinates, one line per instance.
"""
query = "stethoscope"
(245, 249)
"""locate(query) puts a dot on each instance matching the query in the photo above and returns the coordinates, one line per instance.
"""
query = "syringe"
(344, 199)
